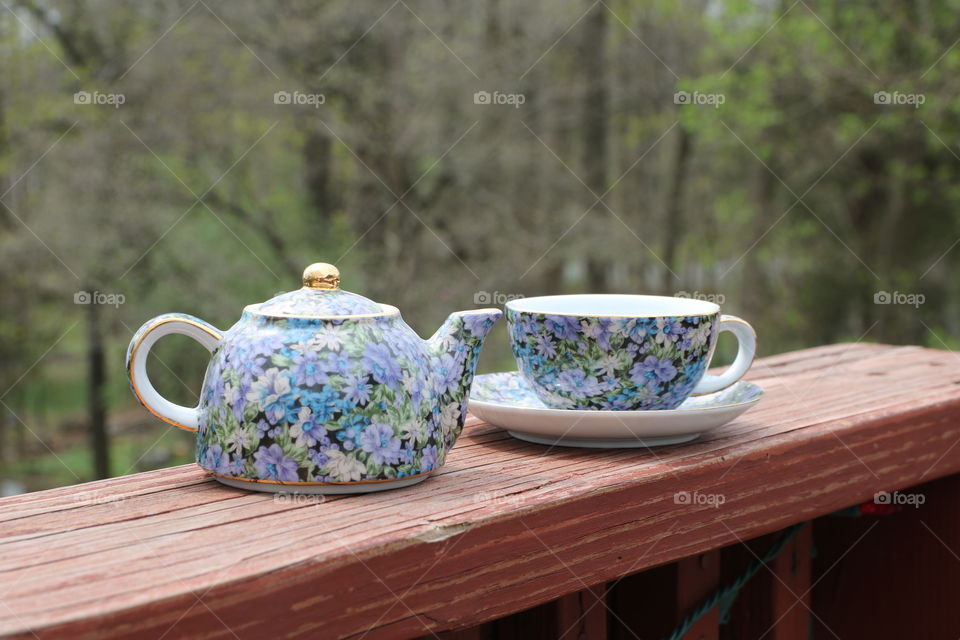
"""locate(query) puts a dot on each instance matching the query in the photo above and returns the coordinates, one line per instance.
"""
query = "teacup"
(622, 352)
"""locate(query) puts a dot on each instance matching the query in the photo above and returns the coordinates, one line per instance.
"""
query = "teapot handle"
(187, 418)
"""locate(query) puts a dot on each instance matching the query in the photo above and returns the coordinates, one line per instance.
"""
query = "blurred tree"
(796, 198)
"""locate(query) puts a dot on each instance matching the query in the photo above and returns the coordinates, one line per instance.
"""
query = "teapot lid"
(321, 296)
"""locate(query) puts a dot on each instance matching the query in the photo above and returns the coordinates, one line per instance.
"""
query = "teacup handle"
(187, 418)
(747, 339)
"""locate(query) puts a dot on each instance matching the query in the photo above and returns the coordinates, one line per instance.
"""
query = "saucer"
(507, 401)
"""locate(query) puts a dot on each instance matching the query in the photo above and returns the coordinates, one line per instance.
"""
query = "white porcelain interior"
(611, 304)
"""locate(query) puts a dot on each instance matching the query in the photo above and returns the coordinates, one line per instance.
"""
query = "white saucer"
(505, 400)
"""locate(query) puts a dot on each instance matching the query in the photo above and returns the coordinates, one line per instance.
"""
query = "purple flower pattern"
(290, 399)
(591, 362)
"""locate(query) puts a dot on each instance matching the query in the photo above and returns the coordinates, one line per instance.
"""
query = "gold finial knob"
(321, 275)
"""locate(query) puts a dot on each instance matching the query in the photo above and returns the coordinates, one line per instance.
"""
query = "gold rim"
(133, 355)
(316, 484)
(737, 320)
(617, 315)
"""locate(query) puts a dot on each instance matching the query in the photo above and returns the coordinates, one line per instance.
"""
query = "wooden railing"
(518, 540)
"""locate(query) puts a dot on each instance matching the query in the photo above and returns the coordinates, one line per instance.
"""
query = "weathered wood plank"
(651, 604)
(582, 615)
(891, 576)
(791, 587)
(504, 527)
(698, 577)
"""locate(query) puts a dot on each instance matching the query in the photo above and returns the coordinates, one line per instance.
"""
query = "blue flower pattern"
(291, 399)
(612, 363)
(510, 389)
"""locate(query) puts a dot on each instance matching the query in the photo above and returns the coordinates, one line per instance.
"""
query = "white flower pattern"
(297, 399)
(611, 363)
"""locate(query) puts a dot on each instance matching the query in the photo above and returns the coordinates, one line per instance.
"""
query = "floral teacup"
(622, 352)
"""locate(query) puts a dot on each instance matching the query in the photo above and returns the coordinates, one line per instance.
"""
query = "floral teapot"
(320, 390)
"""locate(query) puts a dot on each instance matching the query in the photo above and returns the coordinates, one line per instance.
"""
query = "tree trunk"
(674, 214)
(595, 116)
(97, 374)
(755, 280)
(318, 161)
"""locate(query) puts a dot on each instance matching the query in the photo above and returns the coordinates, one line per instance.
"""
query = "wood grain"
(504, 527)
(892, 576)
(790, 589)
(698, 577)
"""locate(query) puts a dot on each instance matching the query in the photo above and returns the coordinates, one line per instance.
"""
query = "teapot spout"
(461, 337)
(463, 329)
(454, 349)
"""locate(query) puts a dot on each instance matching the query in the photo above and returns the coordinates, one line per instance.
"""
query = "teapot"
(320, 390)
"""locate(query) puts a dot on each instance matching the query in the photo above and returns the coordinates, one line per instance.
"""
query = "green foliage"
(200, 194)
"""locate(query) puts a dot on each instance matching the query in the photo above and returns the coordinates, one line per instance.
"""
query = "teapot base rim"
(319, 488)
